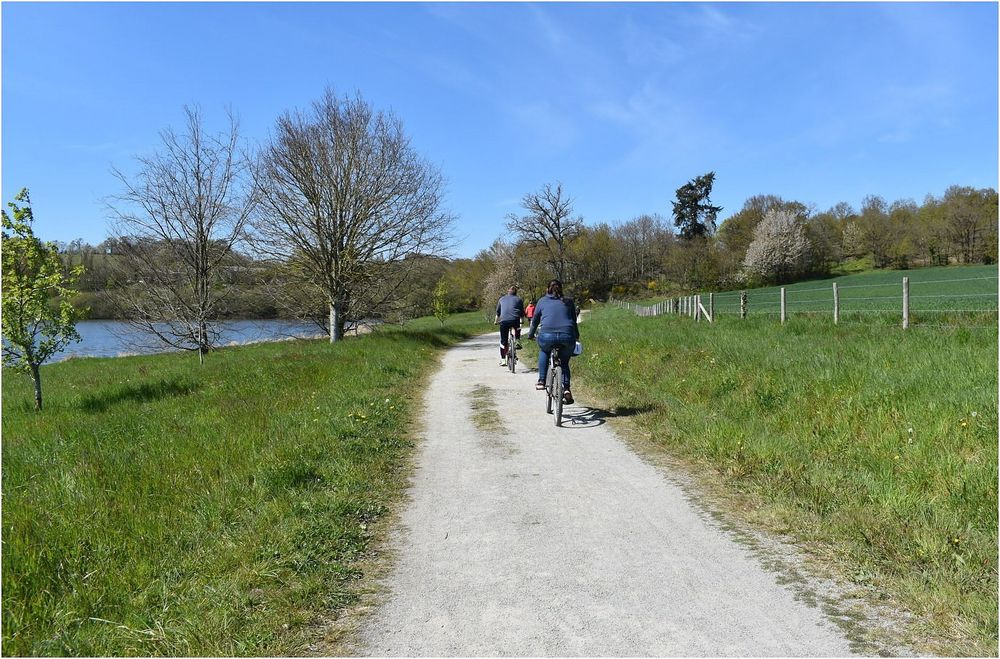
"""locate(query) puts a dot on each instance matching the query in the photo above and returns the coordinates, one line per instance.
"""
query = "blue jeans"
(563, 343)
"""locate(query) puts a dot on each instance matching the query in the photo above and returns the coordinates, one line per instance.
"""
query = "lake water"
(112, 338)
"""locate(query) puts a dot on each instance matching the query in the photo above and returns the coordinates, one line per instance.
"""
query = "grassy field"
(159, 508)
(945, 295)
(874, 447)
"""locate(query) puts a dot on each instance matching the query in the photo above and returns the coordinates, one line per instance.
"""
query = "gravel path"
(521, 538)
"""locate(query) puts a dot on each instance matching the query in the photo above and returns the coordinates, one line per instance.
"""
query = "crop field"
(954, 295)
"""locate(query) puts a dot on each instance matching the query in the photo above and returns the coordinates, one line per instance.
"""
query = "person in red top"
(530, 311)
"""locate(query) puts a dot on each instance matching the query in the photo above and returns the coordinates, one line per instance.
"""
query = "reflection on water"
(111, 338)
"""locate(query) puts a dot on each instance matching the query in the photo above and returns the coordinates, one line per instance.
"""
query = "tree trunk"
(336, 320)
(202, 343)
(36, 377)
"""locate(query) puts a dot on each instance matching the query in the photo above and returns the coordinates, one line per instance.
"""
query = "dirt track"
(521, 538)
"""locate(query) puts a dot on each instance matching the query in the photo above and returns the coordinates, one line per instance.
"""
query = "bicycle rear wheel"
(511, 353)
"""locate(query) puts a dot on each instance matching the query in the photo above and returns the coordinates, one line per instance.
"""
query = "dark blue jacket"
(555, 315)
(510, 308)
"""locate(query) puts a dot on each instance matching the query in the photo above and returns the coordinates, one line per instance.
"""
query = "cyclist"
(555, 322)
(510, 311)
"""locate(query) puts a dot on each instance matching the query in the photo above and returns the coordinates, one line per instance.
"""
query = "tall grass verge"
(159, 508)
(873, 445)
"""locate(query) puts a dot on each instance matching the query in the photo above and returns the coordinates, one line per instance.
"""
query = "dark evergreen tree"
(694, 213)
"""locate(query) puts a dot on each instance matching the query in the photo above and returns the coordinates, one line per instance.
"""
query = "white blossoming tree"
(780, 248)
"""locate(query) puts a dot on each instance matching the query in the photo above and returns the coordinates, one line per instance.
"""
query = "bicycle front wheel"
(549, 384)
(557, 393)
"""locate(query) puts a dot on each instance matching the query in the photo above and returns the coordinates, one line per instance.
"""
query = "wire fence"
(940, 303)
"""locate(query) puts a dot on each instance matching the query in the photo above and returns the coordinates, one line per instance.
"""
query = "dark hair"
(554, 288)
(512, 289)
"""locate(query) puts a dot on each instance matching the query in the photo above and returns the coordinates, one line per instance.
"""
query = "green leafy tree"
(38, 320)
(694, 213)
(441, 305)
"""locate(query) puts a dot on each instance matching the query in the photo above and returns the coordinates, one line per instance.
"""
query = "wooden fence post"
(782, 304)
(711, 307)
(906, 302)
(743, 304)
(836, 304)
(697, 308)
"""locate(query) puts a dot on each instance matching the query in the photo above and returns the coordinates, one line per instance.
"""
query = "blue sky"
(622, 103)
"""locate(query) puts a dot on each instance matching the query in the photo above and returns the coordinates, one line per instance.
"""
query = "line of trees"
(648, 252)
(768, 240)
(337, 220)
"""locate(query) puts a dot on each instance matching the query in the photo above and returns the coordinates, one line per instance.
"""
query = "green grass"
(159, 508)
(942, 295)
(873, 445)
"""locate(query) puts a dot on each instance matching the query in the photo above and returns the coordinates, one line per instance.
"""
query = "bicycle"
(511, 351)
(554, 386)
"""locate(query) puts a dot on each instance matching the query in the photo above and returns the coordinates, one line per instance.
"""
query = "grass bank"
(159, 508)
(875, 447)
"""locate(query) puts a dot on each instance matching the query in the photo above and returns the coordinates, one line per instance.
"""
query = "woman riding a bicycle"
(555, 322)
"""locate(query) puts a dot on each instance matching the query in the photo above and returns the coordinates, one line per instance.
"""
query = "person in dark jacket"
(555, 322)
(510, 311)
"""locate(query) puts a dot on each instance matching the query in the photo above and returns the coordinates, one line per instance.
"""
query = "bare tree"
(644, 239)
(503, 273)
(344, 193)
(548, 225)
(177, 223)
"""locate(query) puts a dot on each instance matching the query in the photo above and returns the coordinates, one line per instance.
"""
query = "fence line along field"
(948, 296)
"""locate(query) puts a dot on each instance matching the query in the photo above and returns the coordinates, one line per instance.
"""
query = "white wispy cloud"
(448, 72)
(546, 126)
(719, 25)
(644, 47)
(467, 20)
(662, 125)
(550, 31)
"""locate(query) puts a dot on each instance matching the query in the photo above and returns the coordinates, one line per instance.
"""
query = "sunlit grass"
(156, 507)
(877, 443)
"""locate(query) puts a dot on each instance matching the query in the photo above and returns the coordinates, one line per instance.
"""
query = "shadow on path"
(588, 417)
